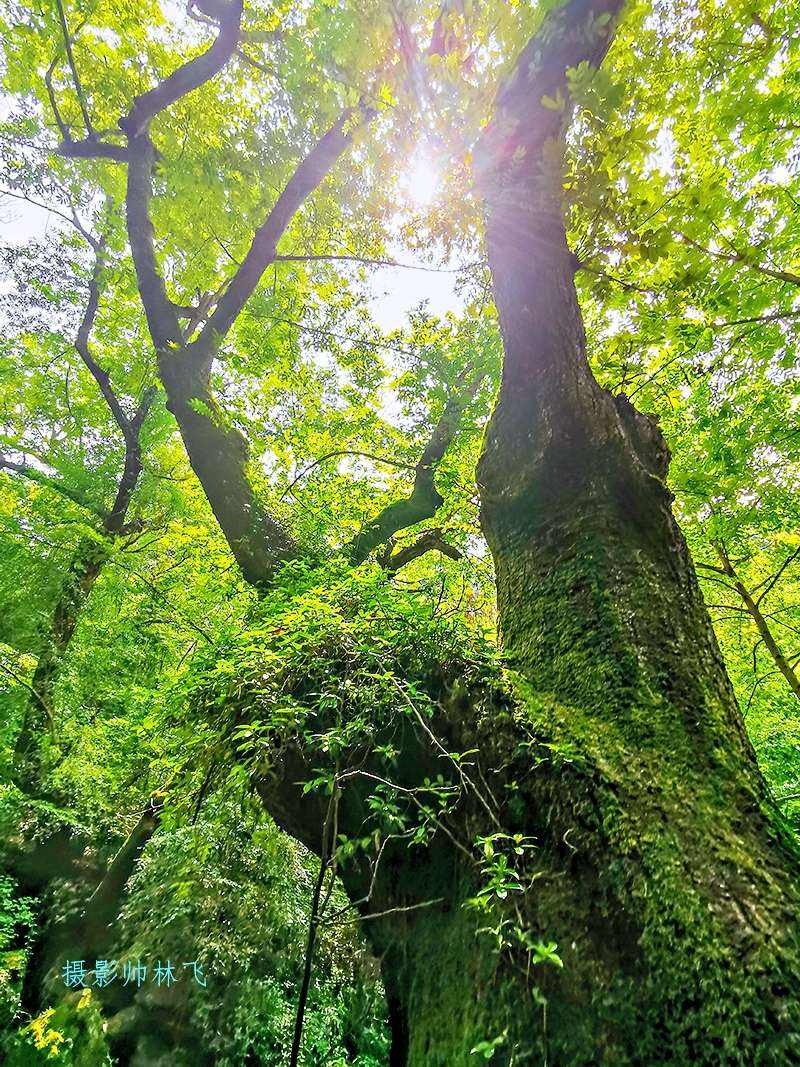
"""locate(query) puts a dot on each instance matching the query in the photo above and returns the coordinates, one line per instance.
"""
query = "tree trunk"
(677, 904)
(219, 455)
(84, 568)
(446, 991)
(662, 868)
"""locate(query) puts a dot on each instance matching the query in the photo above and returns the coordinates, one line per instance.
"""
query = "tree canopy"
(242, 556)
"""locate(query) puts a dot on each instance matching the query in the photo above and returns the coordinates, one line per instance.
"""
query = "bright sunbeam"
(422, 181)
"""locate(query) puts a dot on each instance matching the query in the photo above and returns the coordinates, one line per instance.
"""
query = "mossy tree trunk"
(672, 885)
(660, 867)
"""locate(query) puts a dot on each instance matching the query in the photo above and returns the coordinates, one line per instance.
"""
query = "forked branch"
(424, 499)
(430, 541)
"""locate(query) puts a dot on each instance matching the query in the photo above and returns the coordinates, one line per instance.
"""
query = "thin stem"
(313, 926)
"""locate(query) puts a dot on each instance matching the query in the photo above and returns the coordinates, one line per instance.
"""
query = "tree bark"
(677, 911)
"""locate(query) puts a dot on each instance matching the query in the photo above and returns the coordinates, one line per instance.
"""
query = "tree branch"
(90, 148)
(424, 500)
(375, 263)
(63, 129)
(162, 318)
(81, 345)
(710, 567)
(130, 428)
(104, 904)
(219, 453)
(771, 582)
(131, 472)
(113, 520)
(26, 685)
(739, 258)
(343, 452)
(430, 541)
(765, 634)
(191, 75)
(307, 177)
(72, 219)
(777, 316)
(71, 60)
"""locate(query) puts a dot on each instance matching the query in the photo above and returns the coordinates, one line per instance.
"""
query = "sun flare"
(422, 181)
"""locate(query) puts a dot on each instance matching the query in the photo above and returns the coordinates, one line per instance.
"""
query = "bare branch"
(430, 541)
(72, 219)
(424, 500)
(191, 75)
(400, 910)
(307, 177)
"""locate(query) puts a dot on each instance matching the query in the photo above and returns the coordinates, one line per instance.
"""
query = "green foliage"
(16, 929)
(246, 927)
(182, 683)
(69, 1035)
